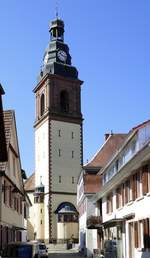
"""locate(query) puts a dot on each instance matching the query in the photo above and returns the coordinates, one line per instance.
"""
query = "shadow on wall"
(82, 246)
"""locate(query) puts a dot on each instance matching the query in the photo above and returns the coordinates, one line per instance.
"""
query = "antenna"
(57, 5)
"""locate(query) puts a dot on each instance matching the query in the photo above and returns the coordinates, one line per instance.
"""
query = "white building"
(12, 197)
(125, 196)
(89, 183)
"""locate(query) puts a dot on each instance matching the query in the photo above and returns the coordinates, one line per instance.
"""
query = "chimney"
(106, 136)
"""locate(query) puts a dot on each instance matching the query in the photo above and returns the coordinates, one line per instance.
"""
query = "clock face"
(62, 55)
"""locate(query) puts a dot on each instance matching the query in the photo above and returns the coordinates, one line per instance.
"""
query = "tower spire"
(57, 9)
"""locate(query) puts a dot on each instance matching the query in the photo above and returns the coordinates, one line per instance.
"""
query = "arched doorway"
(67, 223)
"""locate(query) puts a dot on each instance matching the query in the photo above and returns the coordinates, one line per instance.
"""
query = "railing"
(94, 222)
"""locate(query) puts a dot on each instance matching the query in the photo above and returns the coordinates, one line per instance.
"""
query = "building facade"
(12, 197)
(125, 197)
(58, 142)
(89, 184)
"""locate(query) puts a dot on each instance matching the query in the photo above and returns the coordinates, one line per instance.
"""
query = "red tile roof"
(141, 125)
(8, 119)
(3, 150)
(107, 151)
(30, 183)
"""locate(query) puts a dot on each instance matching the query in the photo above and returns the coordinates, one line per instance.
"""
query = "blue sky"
(109, 43)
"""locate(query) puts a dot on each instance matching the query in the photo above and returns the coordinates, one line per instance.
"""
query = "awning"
(113, 222)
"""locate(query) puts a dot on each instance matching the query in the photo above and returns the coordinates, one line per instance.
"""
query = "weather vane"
(57, 4)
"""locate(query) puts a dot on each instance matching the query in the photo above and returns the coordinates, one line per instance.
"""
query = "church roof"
(106, 152)
(8, 119)
(3, 151)
(29, 184)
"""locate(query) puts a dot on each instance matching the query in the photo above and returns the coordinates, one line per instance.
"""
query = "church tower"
(58, 142)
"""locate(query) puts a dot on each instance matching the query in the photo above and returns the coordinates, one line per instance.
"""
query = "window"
(14, 166)
(4, 189)
(128, 194)
(146, 232)
(72, 154)
(42, 104)
(64, 101)
(41, 222)
(10, 196)
(72, 180)
(41, 210)
(59, 152)
(110, 203)
(134, 185)
(118, 198)
(59, 179)
(59, 133)
(116, 165)
(20, 205)
(72, 135)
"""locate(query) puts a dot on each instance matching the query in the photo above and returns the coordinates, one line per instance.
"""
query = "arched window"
(42, 104)
(64, 101)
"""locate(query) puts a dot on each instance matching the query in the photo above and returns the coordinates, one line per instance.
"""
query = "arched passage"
(67, 222)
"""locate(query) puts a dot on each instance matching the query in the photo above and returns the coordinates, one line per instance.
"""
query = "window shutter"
(136, 234)
(134, 186)
(145, 179)
(126, 191)
(122, 194)
(4, 192)
(111, 198)
(117, 198)
(108, 204)
(138, 184)
(10, 196)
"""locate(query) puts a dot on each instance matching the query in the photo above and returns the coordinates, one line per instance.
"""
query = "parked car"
(25, 250)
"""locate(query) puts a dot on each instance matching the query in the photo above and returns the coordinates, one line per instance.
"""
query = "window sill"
(140, 249)
(120, 208)
(109, 213)
(148, 194)
(139, 198)
(130, 203)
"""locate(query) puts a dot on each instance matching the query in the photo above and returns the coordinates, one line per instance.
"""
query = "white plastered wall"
(42, 170)
(64, 165)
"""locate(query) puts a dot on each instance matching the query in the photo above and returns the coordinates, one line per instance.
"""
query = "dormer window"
(42, 104)
(64, 101)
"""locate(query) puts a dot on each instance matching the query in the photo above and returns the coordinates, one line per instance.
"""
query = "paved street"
(64, 255)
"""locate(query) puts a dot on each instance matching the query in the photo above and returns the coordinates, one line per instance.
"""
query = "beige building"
(12, 198)
(58, 144)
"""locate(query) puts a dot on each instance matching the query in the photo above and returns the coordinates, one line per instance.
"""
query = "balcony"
(94, 222)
